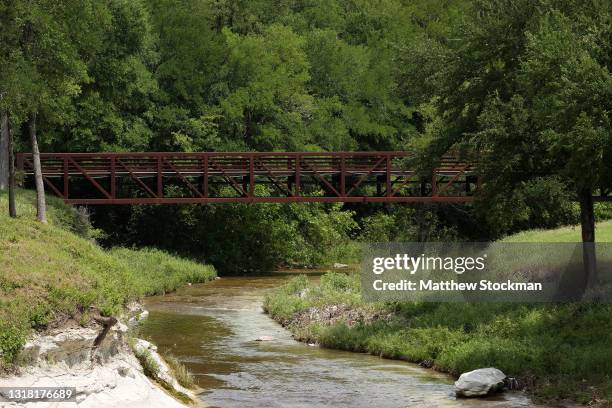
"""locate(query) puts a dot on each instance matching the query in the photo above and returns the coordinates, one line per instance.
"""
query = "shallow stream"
(212, 329)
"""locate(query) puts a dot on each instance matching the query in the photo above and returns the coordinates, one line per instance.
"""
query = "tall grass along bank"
(56, 273)
(556, 351)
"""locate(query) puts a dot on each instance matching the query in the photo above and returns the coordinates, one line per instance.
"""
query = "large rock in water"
(480, 382)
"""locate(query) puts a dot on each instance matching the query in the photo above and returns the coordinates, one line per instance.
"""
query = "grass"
(603, 233)
(181, 373)
(557, 351)
(51, 273)
(160, 272)
(151, 369)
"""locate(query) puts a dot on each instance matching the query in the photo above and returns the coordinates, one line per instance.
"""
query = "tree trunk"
(423, 228)
(587, 220)
(4, 156)
(11, 164)
(41, 206)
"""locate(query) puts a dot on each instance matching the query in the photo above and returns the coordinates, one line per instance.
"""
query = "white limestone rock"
(480, 382)
(64, 359)
(70, 346)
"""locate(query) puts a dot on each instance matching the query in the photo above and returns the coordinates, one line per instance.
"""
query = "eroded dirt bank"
(105, 370)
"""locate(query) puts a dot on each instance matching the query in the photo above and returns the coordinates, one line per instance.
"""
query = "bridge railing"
(207, 177)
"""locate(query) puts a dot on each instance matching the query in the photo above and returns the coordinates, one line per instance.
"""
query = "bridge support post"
(113, 179)
(205, 176)
(343, 176)
(379, 183)
(388, 176)
(298, 179)
(160, 175)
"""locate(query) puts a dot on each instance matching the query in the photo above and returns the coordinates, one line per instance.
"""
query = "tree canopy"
(523, 85)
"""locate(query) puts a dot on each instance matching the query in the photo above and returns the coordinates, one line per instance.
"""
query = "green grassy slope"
(603, 233)
(50, 273)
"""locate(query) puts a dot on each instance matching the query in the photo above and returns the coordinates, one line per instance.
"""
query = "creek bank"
(333, 314)
(554, 352)
(105, 370)
(476, 383)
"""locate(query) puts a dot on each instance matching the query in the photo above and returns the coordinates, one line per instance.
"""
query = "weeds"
(181, 373)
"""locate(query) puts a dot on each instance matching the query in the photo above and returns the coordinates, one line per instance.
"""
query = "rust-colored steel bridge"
(219, 177)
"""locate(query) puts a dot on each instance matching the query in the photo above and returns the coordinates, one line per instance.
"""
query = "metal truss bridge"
(234, 177)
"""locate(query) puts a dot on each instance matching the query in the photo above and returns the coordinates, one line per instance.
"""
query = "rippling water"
(212, 329)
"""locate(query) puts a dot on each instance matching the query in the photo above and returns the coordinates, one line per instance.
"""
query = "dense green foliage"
(527, 88)
(525, 84)
(54, 273)
(244, 237)
(201, 75)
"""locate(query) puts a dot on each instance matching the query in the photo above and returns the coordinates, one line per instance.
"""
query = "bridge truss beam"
(234, 177)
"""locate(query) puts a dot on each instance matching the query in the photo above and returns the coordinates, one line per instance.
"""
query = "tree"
(11, 76)
(11, 169)
(115, 104)
(4, 154)
(530, 90)
(47, 38)
(7, 85)
(7, 159)
(266, 102)
(569, 89)
(7, 154)
(41, 210)
(190, 54)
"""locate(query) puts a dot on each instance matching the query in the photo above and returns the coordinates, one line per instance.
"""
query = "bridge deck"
(209, 177)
